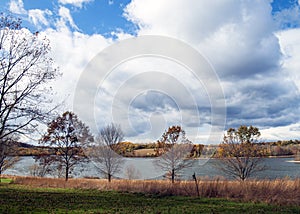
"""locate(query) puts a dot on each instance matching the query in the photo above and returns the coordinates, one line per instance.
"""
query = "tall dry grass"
(282, 192)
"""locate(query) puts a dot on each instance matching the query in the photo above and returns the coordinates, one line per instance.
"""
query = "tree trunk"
(109, 177)
(173, 175)
(196, 182)
(67, 173)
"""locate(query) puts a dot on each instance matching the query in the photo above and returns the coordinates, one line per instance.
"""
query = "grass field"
(5, 180)
(277, 192)
(21, 199)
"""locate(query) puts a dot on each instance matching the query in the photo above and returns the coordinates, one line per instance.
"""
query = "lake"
(276, 168)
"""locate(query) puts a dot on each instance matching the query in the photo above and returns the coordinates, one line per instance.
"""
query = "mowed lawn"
(21, 199)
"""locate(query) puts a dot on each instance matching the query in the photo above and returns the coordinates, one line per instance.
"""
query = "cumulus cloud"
(258, 68)
(238, 37)
(280, 133)
(17, 6)
(65, 18)
(71, 52)
(288, 18)
(44, 18)
(263, 102)
(39, 17)
(240, 42)
(290, 46)
(146, 95)
(76, 3)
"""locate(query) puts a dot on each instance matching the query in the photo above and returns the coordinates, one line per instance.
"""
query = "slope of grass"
(21, 199)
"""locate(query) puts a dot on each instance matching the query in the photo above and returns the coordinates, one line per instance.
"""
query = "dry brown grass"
(282, 192)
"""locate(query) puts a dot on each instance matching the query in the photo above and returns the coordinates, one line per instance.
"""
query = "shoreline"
(198, 158)
(280, 156)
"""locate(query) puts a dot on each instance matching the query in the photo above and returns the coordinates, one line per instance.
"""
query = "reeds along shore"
(280, 192)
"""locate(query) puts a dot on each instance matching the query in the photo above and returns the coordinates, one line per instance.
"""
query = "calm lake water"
(276, 168)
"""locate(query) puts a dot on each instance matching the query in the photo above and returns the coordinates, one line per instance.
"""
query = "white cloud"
(289, 132)
(39, 17)
(76, 3)
(17, 6)
(71, 52)
(65, 18)
(146, 95)
(290, 47)
(120, 34)
(230, 33)
(288, 17)
(238, 38)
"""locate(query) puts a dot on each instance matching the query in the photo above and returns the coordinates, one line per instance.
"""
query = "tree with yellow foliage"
(239, 154)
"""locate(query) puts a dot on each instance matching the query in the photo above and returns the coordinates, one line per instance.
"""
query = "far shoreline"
(153, 157)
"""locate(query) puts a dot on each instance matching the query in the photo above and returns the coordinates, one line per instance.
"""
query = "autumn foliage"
(69, 136)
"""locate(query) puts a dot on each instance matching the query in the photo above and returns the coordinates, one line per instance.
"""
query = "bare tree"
(25, 69)
(69, 136)
(8, 156)
(175, 150)
(44, 165)
(239, 154)
(132, 173)
(104, 153)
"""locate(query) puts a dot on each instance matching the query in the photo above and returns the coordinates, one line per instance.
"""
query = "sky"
(252, 46)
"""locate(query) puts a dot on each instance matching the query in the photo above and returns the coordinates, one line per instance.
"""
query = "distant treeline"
(129, 149)
(281, 148)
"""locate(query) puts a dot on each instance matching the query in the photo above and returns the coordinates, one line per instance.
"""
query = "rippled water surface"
(276, 168)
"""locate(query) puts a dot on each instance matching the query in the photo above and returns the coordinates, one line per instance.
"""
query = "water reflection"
(276, 168)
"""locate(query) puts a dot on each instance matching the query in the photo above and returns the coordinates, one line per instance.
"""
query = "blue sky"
(102, 16)
(279, 5)
(105, 16)
(253, 45)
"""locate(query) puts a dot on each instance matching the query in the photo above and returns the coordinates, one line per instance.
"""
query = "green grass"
(20, 199)
(5, 180)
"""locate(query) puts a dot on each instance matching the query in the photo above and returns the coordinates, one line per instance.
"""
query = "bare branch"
(25, 68)
(104, 155)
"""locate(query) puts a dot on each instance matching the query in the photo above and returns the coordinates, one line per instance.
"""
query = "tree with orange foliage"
(175, 151)
(69, 136)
